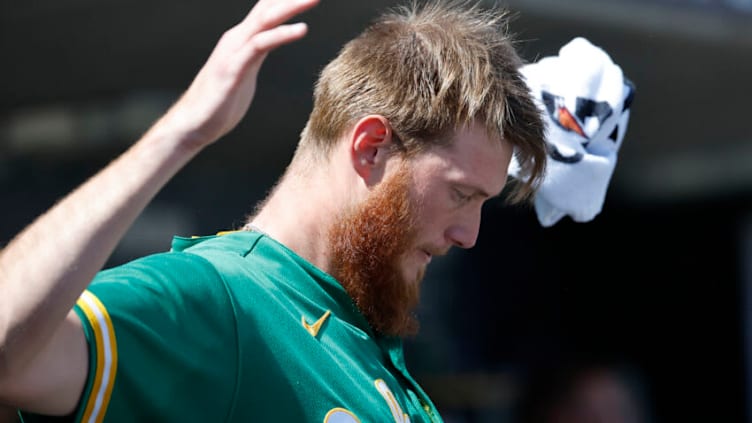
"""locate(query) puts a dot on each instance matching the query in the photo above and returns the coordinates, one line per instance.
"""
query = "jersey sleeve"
(162, 342)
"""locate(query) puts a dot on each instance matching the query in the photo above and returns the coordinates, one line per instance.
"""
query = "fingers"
(264, 42)
(267, 14)
(263, 29)
(273, 38)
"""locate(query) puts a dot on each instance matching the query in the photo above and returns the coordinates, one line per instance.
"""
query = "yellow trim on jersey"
(223, 233)
(106, 366)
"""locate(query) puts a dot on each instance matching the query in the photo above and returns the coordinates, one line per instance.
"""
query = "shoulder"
(181, 281)
(190, 263)
(160, 275)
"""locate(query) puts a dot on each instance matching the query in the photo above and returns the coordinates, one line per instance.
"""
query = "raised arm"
(46, 267)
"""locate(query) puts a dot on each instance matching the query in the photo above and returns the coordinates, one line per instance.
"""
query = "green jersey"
(237, 328)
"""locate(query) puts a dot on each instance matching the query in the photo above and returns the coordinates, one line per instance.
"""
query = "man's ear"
(370, 144)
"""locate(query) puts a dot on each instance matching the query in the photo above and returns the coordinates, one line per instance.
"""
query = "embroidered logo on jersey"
(397, 413)
(315, 327)
(340, 415)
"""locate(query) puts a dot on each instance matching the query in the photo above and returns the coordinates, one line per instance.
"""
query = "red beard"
(368, 244)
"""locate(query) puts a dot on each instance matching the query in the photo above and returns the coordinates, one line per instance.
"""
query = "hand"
(221, 93)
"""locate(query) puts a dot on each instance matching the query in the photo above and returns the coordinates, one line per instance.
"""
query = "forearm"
(46, 267)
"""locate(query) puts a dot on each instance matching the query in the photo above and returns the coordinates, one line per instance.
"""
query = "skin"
(451, 185)
(430, 203)
(43, 352)
(43, 356)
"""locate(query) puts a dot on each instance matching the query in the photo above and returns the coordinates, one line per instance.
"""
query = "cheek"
(432, 217)
(433, 207)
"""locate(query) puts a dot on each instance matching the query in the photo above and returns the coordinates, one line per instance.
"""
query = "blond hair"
(429, 69)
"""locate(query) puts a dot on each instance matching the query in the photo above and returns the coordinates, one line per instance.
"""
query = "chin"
(413, 269)
(421, 273)
(415, 273)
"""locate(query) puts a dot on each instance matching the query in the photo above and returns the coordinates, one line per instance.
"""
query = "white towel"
(585, 100)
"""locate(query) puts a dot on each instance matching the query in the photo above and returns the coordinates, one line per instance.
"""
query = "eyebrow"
(479, 191)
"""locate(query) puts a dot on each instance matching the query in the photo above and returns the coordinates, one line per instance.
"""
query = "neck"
(301, 210)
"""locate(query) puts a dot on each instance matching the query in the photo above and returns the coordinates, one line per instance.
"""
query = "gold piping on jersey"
(106, 367)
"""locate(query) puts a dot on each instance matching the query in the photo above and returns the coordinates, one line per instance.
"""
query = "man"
(300, 316)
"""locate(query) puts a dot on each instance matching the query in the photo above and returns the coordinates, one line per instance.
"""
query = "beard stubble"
(368, 244)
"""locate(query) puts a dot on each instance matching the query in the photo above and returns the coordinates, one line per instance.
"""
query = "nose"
(464, 232)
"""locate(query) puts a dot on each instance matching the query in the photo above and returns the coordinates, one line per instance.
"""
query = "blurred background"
(642, 315)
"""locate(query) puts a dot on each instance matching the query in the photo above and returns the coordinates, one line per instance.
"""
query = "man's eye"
(461, 197)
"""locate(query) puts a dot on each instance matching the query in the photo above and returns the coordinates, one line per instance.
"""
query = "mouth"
(427, 255)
